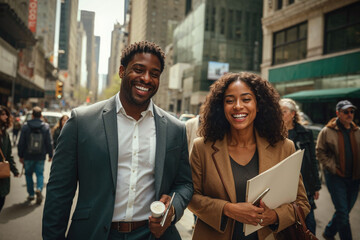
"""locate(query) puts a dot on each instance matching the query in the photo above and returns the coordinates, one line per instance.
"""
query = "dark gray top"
(348, 150)
(241, 175)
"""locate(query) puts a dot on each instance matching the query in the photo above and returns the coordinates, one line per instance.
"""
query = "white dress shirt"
(135, 188)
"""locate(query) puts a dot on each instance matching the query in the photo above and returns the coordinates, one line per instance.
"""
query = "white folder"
(282, 179)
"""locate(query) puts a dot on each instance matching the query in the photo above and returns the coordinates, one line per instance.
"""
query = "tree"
(112, 89)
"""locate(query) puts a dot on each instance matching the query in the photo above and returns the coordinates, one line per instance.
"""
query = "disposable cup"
(157, 209)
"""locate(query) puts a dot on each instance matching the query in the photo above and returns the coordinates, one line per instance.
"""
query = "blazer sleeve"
(208, 209)
(182, 185)
(62, 183)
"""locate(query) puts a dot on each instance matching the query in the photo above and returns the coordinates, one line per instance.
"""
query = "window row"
(342, 32)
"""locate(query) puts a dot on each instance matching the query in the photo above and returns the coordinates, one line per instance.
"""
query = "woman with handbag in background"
(5, 152)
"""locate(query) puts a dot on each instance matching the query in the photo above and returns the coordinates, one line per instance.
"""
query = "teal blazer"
(87, 156)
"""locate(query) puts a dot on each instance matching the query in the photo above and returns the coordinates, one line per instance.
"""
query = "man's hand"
(154, 223)
(22, 161)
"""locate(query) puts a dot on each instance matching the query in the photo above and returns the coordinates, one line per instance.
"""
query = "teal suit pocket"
(81, 213)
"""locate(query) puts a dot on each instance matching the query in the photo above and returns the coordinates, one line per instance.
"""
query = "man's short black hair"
(36, 112)
(142, 47)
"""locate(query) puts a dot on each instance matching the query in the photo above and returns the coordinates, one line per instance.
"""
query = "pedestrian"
(242, 135)
(34, 143)
(5, 147)
(16, 129)
(57, 129)
(123, 153)
(338, 150)
(192, 126)
(303, 139)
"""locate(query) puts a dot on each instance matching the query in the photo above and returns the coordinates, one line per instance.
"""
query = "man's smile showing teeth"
(142, 88)
(239, 116)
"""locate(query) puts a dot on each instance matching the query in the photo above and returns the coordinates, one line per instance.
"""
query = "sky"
(107, 13)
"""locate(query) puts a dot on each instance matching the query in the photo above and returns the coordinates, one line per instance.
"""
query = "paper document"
(282, 179)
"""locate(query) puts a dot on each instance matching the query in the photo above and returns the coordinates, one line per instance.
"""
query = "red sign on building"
(32, 15)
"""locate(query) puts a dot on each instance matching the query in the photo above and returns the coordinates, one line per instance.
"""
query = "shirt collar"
(120, 108)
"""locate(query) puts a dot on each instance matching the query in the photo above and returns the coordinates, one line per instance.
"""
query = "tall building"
(97, 57)
(68, 43)
(81, 70)
(88, 21)
(45, 32)
(149, 19)
(46, 12)
(311, 52)
(119, 39)
(215, 37)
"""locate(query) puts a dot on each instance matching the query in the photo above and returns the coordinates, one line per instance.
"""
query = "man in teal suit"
(123, 153)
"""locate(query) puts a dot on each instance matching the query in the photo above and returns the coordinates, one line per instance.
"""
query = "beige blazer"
(214, 186)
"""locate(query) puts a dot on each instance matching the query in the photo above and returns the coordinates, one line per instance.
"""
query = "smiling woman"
(242, 135)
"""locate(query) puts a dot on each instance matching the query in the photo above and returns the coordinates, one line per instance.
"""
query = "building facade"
(88, 20)
(312, 46)
(17, 80)
(150, 19)
(119, 39)
(214, 38)
(68, 43)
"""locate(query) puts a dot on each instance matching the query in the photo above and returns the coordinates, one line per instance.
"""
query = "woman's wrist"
(226, 209)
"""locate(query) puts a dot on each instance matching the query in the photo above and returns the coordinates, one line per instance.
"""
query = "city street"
(22, 220)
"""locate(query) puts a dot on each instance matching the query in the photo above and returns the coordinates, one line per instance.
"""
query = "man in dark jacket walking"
(35, 142)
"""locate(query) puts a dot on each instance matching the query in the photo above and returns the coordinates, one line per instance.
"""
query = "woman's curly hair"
(142, 47)
(7, 124)
(268, 121)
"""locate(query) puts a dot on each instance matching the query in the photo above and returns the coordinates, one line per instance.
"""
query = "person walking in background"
(57, 129)
(123, 153)
(5, 148)
(242, 135)
(338, 150)
(16, 129)
(303, 139)
(192, 126)
(34, 143)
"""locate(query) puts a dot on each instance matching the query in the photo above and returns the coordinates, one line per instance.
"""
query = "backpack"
(35, 143)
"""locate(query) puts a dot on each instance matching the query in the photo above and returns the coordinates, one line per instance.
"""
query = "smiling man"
(338, 150)
(124, 153)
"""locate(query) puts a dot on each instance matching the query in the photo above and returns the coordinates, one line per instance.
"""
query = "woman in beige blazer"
(242, 135)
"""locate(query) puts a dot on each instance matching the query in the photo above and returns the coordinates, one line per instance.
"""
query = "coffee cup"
(157, 209)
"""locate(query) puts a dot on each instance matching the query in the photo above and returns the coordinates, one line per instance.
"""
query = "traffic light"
(59, 89)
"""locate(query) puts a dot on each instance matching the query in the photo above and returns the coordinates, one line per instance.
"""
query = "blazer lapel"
(222, 163)
(110, 125)
(265, 158)
(160, 126)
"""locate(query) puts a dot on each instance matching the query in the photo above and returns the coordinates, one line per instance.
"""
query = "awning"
(324, 94)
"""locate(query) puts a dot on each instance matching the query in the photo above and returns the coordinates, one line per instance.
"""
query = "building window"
(291, 2)
(279, 4)
(342, 29)
(213, 16)
(290, 44)
(222, 21)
